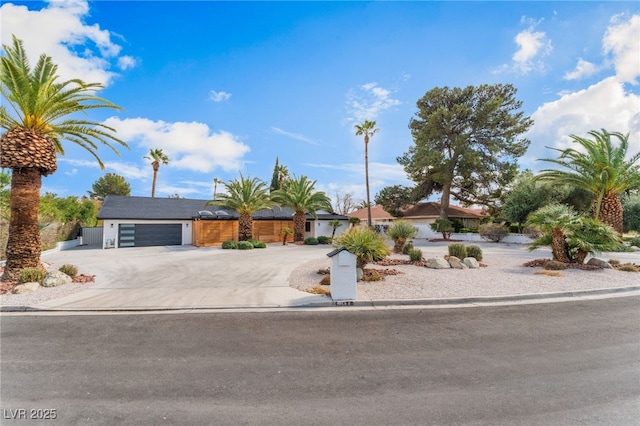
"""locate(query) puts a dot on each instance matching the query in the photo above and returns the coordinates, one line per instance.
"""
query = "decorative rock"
(456, 263)
(26, 288)
(599, 263)
(359, 274)
(55, 279)
(437, 263)
(471, 262)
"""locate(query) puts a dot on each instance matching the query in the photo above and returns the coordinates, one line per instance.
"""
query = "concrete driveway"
(186, 277)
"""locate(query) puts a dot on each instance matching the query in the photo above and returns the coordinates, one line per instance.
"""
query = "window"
(307, 226)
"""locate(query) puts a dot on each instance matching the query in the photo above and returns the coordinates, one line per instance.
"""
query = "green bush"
(70, 270)
(32, 275)
(415, 255)
(635, 242)
(444, 226)
(408, 246)
(229, 244)
(627, 267)
(323, 239)
(245, 245)
(493, 232)
(458, 250)
(475, 252)
(253, 242)
(399, 232)
(311, 241)
(365, 243)
(259, 244)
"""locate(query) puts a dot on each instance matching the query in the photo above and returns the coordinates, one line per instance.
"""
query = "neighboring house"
(146, 221)
(426, 214)
(378, 216)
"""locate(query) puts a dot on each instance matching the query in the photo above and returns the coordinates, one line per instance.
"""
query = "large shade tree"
(466, 143)
(156, 156)
(110, 184)
(245, 195)
(600, 167)
(367, 129)
(38, 113)
(299, 193)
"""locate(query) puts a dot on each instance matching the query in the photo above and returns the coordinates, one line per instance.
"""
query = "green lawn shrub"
(259, 244)
(323, 239)
(229, 244)
(458, 250)
(493, 232)
(245, 245)
(70, 270)
(415, 255)
(311, 241)
(32, 275)
(475, 252)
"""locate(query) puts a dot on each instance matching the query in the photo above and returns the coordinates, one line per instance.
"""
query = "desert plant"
(415, 255)
(627, 267)
(554, 265)
(399, 232)
(229, 244)
(326, 280)
(70, 270)
(259, 244)
(319, 290)
(408, 246)
(444, 226)
(614, 262)
(493, 232)
(635, 242)
(31, 275)
(285, 233)
(475, 252)
(458, 250)
(323, 239)
(311, 241)
(245, 245)
(365, 243)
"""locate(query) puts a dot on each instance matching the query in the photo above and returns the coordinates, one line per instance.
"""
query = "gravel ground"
(504, 275)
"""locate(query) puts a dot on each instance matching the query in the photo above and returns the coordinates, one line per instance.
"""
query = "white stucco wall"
(110, 230)
(322, 227)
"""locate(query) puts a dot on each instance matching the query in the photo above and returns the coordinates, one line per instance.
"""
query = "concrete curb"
(378, 304)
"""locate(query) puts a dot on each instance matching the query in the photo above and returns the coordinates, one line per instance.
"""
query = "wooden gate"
(208, 233)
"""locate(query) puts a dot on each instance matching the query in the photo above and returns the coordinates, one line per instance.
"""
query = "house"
(378, 216)
(146, 221)
(426, 213)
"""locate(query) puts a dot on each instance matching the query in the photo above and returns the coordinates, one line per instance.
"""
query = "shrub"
(493, 232)
(70, 270)
(635, 242)
(229, 244)
(554, 265)
(245, 245)
(614, 262)
(475, 252)
(253, 242)
(259, 244)
(366, 244)
(408, 246)
(311, 241)
(399, 232)
(323, 239)
(458, 250)
(627, 267)
(415, 255)
(444, 226)
(319, 290)
(32, 275)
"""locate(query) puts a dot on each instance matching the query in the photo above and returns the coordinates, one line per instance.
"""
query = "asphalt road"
(570, 363)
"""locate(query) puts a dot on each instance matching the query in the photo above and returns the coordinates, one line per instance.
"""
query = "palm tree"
(601, 170)
(156, 156)
(36, 124)
(554, 221)
(244, 196)
(299, 194)
(368, 129)
(216, 182)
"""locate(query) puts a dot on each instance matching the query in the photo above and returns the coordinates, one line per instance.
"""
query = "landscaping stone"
(471, 262)
(437, 263)
(456, 263)
(599, 263)
(55, 279)
(26, 288)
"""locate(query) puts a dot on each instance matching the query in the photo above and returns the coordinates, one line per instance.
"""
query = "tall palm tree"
(216, 182)
(299, 193)
(368, 129)
(600, 168)
(156, 156)
(244, 196)
(39, 119)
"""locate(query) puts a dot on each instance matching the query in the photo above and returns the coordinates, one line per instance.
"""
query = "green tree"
(466, 143)
(156, 156)
(394, 199)
(367, 129)
(400, 232)
(43, 113)
(110, 184)
(300, 195)
(245, 195)
(631, 206)
(599, 167)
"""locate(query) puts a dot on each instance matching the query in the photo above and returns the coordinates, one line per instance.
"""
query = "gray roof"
(147, 208)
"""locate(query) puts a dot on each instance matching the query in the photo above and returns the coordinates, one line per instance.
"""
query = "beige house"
(378, 216)
(427, 213)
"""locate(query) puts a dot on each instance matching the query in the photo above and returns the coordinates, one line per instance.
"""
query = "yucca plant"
(365, 243)
(400, 232)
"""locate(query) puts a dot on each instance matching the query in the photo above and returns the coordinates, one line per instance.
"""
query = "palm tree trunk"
(156, 166)
(299, 219)
(366, 174)
(245, 227)
(559, 246)
(24, 244)
(611, 212)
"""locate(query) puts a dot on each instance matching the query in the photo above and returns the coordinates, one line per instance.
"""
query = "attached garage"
(149, 234)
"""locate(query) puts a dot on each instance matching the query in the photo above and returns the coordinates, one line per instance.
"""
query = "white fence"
(425, 231)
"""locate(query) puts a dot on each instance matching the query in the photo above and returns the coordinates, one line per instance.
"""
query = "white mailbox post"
(343, 275)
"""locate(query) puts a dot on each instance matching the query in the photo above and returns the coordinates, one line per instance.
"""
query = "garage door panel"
(148, 234)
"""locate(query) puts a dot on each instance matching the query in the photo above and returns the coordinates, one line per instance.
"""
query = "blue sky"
(226, 87)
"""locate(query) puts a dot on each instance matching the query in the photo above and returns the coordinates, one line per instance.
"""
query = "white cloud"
(296, 136)
(129, 171)
(622, 41)
(59, 31)
(190, 146)
(368, 101)
(219, 96)
(532, 45)
(583, 69)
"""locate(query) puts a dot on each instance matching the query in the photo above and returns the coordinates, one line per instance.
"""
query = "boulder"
(437, 263)
(603, 264)
(456, 263)
(26, 288)
(471, 262)
(359, 274)
(55, 279)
